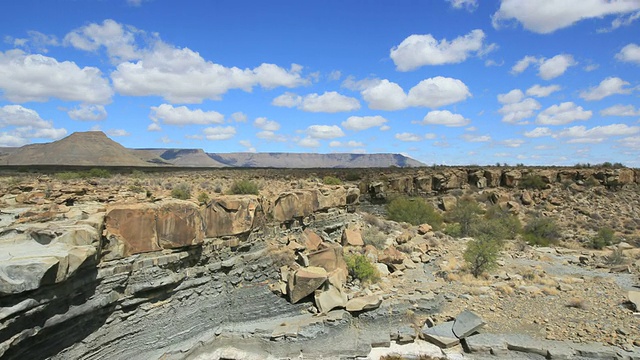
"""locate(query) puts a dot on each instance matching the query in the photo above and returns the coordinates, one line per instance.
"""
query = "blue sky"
(547, 82)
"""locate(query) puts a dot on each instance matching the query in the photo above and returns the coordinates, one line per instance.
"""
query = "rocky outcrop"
(231, 215)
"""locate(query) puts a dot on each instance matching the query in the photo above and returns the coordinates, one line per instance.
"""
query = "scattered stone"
(304, 282)
(441, 335)
(352, 237)
(363, 303)
(467, 323)
(634, 298)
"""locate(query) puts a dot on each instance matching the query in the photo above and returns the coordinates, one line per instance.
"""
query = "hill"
(92, 148)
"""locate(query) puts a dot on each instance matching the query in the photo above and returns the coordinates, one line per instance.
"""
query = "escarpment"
(140, 279)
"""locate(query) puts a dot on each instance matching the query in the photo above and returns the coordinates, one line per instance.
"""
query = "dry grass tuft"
(505, 290)
(577, 303)
(550, 291)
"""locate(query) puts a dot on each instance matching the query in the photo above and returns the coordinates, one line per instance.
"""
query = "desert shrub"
(481, 254)
(353, 176)
(181, 191)
(361, 268)
(331, 180)
(415, 211)
(604, 237)
(531, 181)
(453, 230)
(466, 214)
(244, 187)
(136, 187)
(616, 257)
(591, 182)
(541, 231)
(375, 237)
(98, 173)
(203, 197)
(69, 175)
(500, 223)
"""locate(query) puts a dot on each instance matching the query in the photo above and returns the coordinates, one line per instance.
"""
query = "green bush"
(98, 173)
(353, 176)
(481, 254)
(69, 175)
(203, 198)
(331, 180)
(93, 173)
(605, 237)
(181, 191)
(415, 211)
(361, 268)
(500, 223)
(466, 214)
(531, 181)
(453, 230)
(244, 187)
(541, 231)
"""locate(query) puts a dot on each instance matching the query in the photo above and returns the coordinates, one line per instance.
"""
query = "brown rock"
(352, 236)
(130, 229)
(329, 258)
(230, 215)
(304, 282)
(391, 255)
(311, 240)
(449, 202)
(525, 198)
(179, 224)
(329, 298)
(424, 228)
(364, 303)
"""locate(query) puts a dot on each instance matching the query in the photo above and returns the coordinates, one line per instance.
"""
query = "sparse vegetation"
(534, 182)
(604, 237)
(181, 191)
(331, 180)
(373, 236)
(481, 254)
(541, 231)
(93, 173)
(415, 211)
(361, 268)
(616, 257)
(244, 187)
(203, 197)
(465, 214)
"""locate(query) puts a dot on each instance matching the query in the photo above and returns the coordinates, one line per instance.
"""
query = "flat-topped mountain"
(94, 148)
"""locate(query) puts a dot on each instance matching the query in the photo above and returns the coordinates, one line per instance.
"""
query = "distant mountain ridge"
(94, 148)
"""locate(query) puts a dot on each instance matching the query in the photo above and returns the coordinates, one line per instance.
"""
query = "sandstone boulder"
(129, 230)
(231, 215)
(352, 236)
(329, 298)
(448, 202)
(179, 224)
(303, 282)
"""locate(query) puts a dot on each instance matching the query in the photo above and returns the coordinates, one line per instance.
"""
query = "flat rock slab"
(364, 303)
(441, 335)
(466, 324)
(634, 297)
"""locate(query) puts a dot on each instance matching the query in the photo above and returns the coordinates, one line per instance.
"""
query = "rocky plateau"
(117, 268)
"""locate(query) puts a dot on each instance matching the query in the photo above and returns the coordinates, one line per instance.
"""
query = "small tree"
(414, 211)
(361, 268)
(531, 181)
(203, 197)
(331, 180)
(466, 214)
(541, 231)
(482, 254)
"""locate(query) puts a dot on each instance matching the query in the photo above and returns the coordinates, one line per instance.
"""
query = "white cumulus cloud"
(266, 124)
(182, 115)
(329, 102)
(271, 136)
(620, 110)
(358, 123)
(308, 142)
(118, 40)
(516, 108)
(597, 134)
(547, 68)
(419, 50)
(469, 5)
(547, 16)
(86, 112)
(324, 131)
(219, 132)
(408, 137)
(607, 87)
(118, 132)
(350, 143)
(629, 53)
(542, 91)
(476, 138)
(538, 132)
(21, 125)
(563, 113)
(37, 77)
(444, 117)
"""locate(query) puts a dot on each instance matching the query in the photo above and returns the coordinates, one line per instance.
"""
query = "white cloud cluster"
(607, 87)
(516, 108)
(432, 92)
(476, 138)
(350, 144)
(563, 113)
(582, 134)
(629, 53)
(444, 117)
(219, 133)
(542, 91)
(182, 115)
(419, 50)
(118, 132)
(469, 5)
(21, 125)
(324, 131)
(547, 16)
(620, 110)
(329, 102)
(118, 40)
(85, 112)
(266, 124)
(359, 123)
(409, 137)
(547, 68)
(26, 78)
